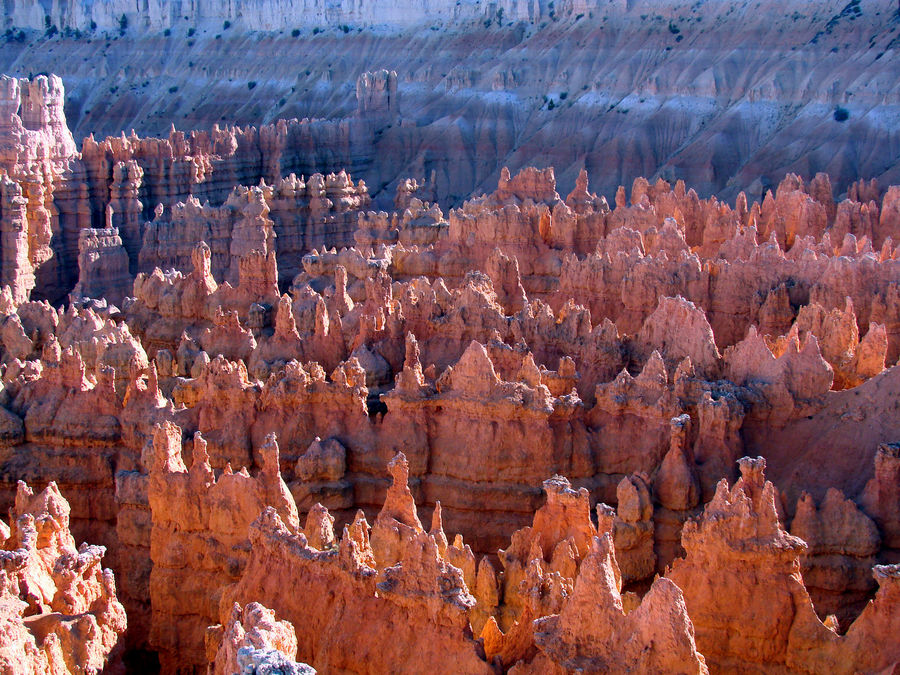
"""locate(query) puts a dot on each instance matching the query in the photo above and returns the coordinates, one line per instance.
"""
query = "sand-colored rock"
(742, 523)
(59, 611)
(254, 639)
(843, 543)
(474, 352)
(427, 596)
(593, 634)
(193, 511)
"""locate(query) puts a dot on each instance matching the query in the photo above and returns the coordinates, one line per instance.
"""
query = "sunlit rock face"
(365, 390)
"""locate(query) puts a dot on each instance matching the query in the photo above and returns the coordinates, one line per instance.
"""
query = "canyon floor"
(362, 347)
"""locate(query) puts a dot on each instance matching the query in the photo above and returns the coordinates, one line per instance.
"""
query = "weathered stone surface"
(253, 642)
(477, 356)
(58, 607)
(594, 634)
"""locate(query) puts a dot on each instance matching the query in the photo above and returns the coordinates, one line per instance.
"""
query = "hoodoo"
(398, 362)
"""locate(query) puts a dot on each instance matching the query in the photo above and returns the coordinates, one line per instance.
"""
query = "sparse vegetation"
(191, 32)
(251, 84)
(226, 25)
(172, 90)
(563, 95)
(123, 24)
(295, 32)
(345, 28)
(841, 114)
(167, 32)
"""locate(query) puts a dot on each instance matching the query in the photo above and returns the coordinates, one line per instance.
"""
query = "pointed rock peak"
(322, 319)
(529, 372)
(49, 502)
(359, 529)
(398, 467)
(412, 356)
(773, 242)
(474, 372)
(319, 528)
(355, 551)
(599, 577)
(269, 455)
(745, 515)
(581, 183)
(685, 369)
(399, 503)
(654, 372)
(201, 258)
(167, 449)
(437, 529)
(683, 330)
(411, 379)
(633, 498)
(285, 324)
(200, 454)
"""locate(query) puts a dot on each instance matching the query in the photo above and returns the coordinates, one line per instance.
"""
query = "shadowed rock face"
(728, 96)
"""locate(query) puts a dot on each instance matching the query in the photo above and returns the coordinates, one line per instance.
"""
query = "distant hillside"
(726, 95)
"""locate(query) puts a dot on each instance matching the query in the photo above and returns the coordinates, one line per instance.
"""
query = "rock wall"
(102, 266)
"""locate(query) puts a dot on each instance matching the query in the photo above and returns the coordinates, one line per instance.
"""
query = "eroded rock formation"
(58, 607)
(538, 402)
